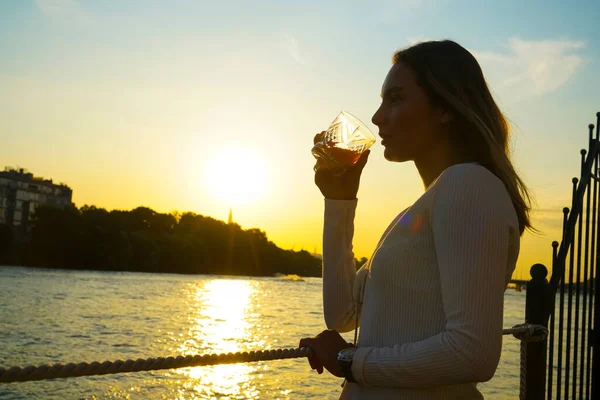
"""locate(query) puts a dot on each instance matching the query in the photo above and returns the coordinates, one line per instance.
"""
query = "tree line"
(144, 240)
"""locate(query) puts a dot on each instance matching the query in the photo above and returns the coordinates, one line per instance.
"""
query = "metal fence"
(565, 365)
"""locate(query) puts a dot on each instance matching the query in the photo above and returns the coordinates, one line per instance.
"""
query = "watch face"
(346, 353)
(345, 361)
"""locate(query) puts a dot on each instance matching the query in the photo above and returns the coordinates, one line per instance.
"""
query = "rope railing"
(523, 332)
(31, 373)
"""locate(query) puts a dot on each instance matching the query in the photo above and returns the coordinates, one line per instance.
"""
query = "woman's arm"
(471, 223)
(339, 268)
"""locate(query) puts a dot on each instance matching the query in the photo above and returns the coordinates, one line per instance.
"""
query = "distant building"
(21, 193)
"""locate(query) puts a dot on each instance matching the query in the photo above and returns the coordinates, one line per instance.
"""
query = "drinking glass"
(343, 143)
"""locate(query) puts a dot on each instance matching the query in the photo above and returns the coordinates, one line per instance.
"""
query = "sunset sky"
(139, 102)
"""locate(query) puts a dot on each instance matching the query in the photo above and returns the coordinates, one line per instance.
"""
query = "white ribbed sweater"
(432, 312)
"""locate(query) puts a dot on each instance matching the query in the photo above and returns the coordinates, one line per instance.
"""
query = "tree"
(145, 240)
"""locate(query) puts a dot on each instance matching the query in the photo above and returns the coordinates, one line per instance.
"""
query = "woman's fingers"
(364, 157)
(318, 137)
(314, 362)
(360, 164)
(322, 166)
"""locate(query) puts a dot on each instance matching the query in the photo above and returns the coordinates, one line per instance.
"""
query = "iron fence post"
(537, 311)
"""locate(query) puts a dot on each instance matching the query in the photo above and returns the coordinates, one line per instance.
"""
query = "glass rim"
(358, 122)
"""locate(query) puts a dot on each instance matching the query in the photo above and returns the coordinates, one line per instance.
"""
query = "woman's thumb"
(364, 157)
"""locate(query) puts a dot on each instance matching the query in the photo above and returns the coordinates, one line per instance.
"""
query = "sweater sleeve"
(470, 223)
(339, 268)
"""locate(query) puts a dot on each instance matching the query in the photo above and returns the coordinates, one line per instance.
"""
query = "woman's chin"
(391, 155)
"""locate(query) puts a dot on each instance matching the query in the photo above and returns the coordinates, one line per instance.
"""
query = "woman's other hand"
(326, 346)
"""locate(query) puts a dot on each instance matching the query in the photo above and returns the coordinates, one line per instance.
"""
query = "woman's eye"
(391, 99)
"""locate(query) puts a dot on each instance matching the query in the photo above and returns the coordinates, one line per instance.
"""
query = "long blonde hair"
(452, 78)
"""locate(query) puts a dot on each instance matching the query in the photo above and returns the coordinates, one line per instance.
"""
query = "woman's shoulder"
(472, 185)
(464, 183)
(473, 189)
(465, 175)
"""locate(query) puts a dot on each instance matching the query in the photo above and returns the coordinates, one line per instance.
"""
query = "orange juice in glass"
(343, 143)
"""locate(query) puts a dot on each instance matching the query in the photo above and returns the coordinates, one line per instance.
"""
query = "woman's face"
(408, 124)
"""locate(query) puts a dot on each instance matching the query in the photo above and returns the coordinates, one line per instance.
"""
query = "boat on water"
(290, 277)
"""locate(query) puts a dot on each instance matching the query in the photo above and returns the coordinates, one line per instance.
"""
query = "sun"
(236, 176)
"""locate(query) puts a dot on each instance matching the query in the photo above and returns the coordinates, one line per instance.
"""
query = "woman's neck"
(432, 164)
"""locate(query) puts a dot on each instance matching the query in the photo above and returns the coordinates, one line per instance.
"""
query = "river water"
(50, 316)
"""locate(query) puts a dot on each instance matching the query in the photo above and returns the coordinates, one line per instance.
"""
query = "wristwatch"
(344, 358)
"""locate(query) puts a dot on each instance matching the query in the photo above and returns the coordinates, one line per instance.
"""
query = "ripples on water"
(49, 316)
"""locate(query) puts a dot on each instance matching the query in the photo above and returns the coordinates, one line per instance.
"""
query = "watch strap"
(345, 362)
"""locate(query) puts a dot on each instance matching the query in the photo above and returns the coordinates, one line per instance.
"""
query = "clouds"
(549, 219)
(290, 44)
(531, 68)
(527, 68)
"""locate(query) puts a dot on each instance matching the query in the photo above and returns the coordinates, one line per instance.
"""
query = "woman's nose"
(376, 117)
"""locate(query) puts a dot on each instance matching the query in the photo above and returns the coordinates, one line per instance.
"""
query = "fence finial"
(538, 272)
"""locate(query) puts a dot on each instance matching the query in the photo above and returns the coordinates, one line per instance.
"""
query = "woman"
(430, 300)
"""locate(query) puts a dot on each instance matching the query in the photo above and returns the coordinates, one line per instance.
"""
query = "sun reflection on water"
(220, 323)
